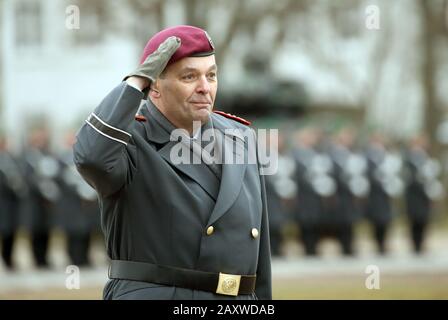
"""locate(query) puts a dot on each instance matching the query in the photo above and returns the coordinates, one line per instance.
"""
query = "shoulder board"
(139, 117)
(233, 117)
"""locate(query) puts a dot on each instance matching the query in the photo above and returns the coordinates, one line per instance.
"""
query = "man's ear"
(154, 90)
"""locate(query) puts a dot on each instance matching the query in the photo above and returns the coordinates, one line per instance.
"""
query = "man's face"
(188, 90)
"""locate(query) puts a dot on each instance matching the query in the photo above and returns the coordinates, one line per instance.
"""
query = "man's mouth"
(201, 104)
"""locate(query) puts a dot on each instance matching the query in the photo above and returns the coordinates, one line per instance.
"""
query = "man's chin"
(202, 115)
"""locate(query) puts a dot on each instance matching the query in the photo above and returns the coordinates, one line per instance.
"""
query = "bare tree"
(434, 26)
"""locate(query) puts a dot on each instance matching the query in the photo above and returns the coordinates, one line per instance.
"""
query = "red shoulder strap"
(233, 117)
(139, 117)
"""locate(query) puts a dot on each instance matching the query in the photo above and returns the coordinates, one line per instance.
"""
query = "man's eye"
(212, 75)
(188, 77)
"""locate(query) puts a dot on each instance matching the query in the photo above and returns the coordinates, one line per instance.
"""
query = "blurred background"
(357, 89)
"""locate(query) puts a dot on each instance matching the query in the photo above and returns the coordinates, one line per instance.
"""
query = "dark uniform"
(352, 186)
(309, 201)
(12, 189)
(418, 197)
(378, 206)
(383, 173)
(276, 217)
(175, 226)
(41, 169)
(77, 210)
(281, 192)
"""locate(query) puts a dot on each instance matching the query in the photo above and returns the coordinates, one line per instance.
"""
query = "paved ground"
(295, 276)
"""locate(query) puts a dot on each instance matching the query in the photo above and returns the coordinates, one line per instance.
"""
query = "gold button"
(210, 230)
(254, 233)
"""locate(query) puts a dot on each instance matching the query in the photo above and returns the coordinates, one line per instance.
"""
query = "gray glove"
(156, 62)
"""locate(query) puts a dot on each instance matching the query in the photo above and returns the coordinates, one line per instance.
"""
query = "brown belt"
(220, 283)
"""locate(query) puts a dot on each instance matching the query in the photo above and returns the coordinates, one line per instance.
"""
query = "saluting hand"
(155, 63)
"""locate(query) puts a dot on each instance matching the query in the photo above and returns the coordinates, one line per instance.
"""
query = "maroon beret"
(195, 42)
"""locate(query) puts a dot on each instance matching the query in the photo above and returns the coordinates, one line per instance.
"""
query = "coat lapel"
(232, 173)
(157, 131)
(198, 172)
(232, 143)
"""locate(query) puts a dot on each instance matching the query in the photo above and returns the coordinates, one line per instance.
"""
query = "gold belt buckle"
(228, 284)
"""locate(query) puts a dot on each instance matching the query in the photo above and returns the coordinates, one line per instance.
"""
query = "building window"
(92, 20)
(28, 23)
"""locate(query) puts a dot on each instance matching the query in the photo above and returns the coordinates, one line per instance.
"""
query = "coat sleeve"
(104, 152)
(263, 288)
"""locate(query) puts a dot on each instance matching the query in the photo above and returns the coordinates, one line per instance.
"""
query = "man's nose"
(203, 85)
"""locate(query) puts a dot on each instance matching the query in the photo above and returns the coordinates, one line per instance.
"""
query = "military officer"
(176, 229)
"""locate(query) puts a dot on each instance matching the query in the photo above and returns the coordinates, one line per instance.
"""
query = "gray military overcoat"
(158, 212)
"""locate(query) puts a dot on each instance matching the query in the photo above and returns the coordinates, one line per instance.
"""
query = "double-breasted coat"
(180, 215)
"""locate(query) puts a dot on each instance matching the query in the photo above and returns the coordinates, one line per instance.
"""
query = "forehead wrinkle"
(195, 69)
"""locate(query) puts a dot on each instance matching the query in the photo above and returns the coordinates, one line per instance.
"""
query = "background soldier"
(41, 170)
(350, 171)
(384, 168)
(422, 186)
(12, 188)
(314, 185)
(77, 207)
(276, 220)
(280, 193)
